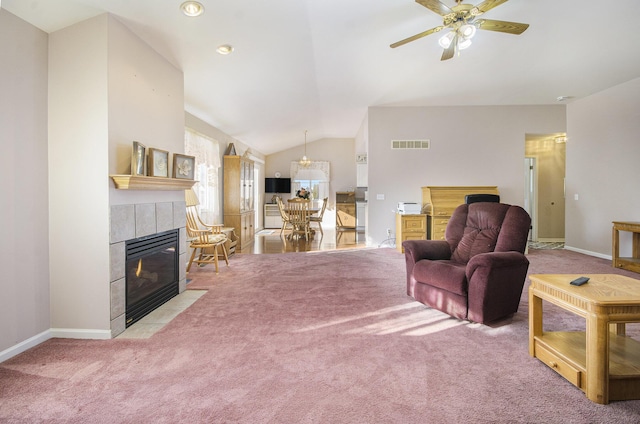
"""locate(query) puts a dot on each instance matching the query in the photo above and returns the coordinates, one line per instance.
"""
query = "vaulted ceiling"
(317, 65)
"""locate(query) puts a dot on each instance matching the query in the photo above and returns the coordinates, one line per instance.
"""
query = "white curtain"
(207, 188)
(314, 177)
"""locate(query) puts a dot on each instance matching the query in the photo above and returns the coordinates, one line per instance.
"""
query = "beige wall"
(78, 195)
(146, 104)
(472, 145)
(24, 247)
(602, 167)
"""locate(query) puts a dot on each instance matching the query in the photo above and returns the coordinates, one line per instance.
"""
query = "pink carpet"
(327, 337)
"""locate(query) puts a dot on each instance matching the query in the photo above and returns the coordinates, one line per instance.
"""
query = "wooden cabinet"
(631, 263)
(272, 217)
(439, 202)
(410, 227)
(345, 209)
(239, 206)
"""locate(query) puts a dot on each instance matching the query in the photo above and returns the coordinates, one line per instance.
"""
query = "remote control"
(579, 281)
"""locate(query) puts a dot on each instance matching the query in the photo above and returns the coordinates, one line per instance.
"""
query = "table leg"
(615, 248)
(535, 320)
(597, 359)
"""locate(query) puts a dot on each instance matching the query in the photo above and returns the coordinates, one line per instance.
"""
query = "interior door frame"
(531, 194)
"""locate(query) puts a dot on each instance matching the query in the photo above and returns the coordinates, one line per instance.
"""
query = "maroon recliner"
(478, 272)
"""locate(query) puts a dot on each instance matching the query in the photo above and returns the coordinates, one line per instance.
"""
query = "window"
(314, 178)
(207, 188)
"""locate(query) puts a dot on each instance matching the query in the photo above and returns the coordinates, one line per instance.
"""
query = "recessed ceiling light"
(192, 8)
(224, 49)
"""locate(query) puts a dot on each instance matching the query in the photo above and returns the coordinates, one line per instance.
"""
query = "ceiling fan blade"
(487, 5)
(502, 26)
(416, 37)
(436, 6)
(451, 50)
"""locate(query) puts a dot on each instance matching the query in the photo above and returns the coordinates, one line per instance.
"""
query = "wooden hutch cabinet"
(439, 203)
(239, 207)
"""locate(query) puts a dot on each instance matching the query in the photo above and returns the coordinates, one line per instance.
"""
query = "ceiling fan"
(463, 21)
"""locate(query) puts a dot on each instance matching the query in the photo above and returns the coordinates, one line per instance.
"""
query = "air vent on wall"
(409, 144)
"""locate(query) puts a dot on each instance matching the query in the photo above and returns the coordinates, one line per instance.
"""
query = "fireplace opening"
(152, 273)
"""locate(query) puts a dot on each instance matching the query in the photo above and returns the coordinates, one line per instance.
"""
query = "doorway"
(544, 176)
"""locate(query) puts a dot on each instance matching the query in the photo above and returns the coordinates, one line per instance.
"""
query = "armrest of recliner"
(496, 280)
(426, 249)
(495, 259)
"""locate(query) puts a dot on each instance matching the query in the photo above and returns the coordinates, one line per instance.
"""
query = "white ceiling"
(317, 65)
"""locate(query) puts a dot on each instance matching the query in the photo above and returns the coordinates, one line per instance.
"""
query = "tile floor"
(160, 317)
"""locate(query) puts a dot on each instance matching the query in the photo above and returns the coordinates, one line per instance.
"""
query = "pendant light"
(305, 161)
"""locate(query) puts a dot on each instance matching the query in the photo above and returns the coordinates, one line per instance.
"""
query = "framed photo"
(183, 166)
(158, 163)
(138, 158)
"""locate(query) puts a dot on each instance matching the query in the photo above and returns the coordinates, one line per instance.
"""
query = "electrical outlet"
(388, 231)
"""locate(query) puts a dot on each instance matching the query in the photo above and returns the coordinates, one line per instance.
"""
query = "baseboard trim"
(53, 333)
(74, 333)
(25, 345)
(587, 252)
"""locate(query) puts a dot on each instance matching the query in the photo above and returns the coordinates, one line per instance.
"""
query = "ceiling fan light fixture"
(463, 44)
(467, 30)
(445, 40)
(192, 8)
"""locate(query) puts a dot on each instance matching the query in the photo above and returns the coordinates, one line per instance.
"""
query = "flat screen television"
(277, 185)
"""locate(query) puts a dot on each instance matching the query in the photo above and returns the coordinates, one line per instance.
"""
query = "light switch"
(575, 196)
(379, 196)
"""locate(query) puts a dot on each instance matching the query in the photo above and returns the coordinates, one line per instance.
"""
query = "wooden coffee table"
(601, 361)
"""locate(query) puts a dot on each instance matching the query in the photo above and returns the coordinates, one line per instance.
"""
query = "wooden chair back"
(324, 206)
(194, 222)
(299, 217)
(281, 208)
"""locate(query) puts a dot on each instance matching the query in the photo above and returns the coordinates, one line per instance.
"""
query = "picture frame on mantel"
(138, 156)
(158, 165)
(183, 166)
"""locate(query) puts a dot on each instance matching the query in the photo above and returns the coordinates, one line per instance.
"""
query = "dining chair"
(299, 218)
(318, 218)
(283, 214)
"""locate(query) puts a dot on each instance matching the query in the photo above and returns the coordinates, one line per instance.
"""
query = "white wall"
(24, 247)
(603, 151)
(472, 145)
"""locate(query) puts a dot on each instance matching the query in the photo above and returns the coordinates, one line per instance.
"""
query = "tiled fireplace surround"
(132, 221)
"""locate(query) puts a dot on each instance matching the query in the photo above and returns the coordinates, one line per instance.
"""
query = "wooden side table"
(632, 263)
(410, 227)
(601, 361)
